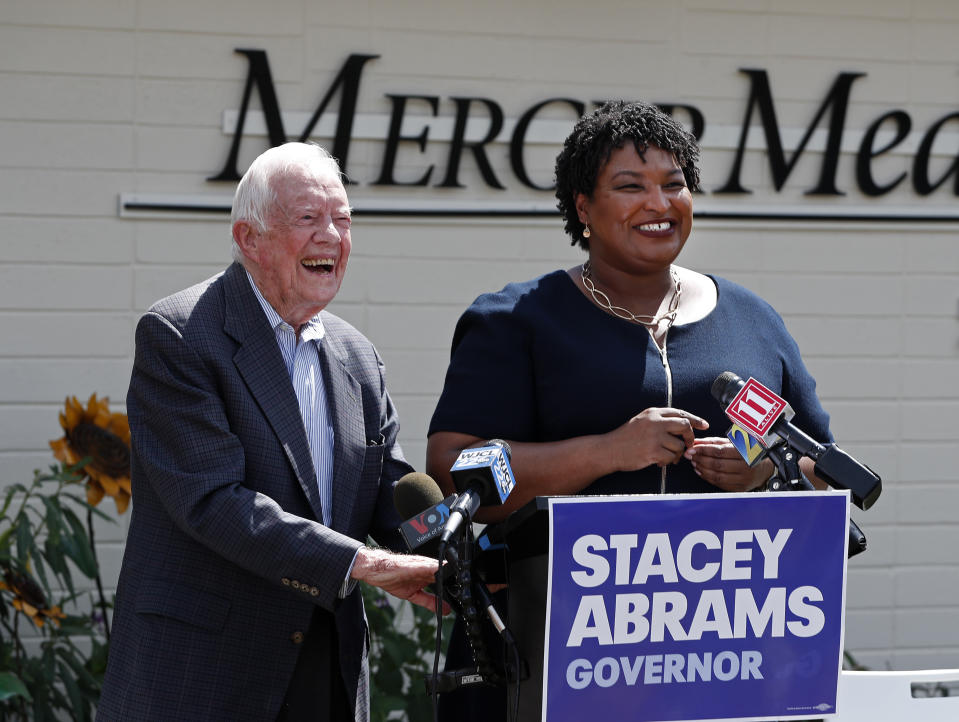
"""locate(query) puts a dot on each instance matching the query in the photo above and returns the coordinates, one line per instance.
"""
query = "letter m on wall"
(761, 98)
(259, 77)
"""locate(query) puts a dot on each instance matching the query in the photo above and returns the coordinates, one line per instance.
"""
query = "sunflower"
(29, 599)
(93, 433)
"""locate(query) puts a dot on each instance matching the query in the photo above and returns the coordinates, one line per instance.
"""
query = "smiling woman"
(638, 219)
(606, 367)
(641, 337)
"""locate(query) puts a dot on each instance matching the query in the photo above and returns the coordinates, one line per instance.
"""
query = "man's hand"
(402, 575)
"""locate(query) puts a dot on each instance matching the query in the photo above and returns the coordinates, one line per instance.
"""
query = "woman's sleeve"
(799, 389)
(489, 389)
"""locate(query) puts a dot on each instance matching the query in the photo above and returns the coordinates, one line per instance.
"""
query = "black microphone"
(419, 497)
(834, 465)
(483, 477)
(419, 500)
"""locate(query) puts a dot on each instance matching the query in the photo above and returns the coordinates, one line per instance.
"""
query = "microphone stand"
(789, 477)
(461, 589)
(465, 591)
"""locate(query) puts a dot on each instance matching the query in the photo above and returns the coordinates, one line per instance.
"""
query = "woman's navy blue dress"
(538, 361)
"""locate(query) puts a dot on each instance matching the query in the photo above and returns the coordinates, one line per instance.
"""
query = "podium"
(526, 536)
(930, 695)
(760, 628)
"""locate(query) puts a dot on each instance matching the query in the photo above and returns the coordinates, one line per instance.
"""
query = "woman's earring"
(586, 233)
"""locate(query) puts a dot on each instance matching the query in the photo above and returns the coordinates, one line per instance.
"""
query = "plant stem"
(103, 601)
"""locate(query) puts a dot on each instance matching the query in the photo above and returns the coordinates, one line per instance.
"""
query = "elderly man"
(264, 453)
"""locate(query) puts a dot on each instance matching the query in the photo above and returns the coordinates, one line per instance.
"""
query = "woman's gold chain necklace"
(650, 322)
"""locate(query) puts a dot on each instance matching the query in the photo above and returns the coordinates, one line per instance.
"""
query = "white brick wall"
(103, 97)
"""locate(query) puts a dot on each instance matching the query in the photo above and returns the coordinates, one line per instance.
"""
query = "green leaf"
(73, 472)
(12, 686)
(419, 705)
(5, 541)
(77, 545)
(78, 704)
(44, 707)
(24, 538)
(390, 703)
(8, 497)
(400, 648)
(102, 514)
(49, 660)
(37, 558)
(80, 672)
(81, 502)
(78, 527)
(97, 663)
(53, 514)
(53, 551)
(67, 549)
(14, 489)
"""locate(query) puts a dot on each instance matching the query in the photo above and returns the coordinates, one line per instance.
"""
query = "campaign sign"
(695, 607)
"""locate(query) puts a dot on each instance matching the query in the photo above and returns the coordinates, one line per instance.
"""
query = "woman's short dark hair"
(595, 137)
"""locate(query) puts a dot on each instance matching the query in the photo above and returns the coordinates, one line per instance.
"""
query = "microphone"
(483, 477)
(766, 417)
(418, 499)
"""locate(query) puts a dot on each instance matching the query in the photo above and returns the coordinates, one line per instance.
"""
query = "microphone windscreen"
(725, 387)
(414, 493)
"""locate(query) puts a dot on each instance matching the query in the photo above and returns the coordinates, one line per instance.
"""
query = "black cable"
(464, 592)
(518, 670)
(469, 611)
(515, 682)
(441, 555)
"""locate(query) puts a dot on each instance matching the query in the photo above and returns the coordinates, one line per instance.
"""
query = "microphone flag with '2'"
(483, 477)
(766, 418)
(750, 448)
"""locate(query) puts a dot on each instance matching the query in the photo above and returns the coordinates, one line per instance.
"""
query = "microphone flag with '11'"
(754, 408)
(483, 477)
(418, 499)
(766, 416)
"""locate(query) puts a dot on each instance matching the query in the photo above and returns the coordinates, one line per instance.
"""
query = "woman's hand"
(717, 461)
(655, 436)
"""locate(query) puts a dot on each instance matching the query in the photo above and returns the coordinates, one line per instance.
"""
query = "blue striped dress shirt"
(302, 361)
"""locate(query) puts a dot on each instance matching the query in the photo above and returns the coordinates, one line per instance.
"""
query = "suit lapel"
(260, 363)
(343, 394)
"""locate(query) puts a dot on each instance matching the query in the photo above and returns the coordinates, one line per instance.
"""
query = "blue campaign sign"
(695, 607)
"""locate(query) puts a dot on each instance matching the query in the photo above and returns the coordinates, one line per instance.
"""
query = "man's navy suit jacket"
(225, 560)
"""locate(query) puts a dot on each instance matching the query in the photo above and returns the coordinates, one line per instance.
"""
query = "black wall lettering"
(864, 177)
(458, 142)
(761, 96)
(394, 137)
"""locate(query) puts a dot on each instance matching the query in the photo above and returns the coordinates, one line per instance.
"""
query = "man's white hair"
(255, 194)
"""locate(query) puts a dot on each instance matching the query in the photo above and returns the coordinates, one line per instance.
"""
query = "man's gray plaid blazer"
(225, 561)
